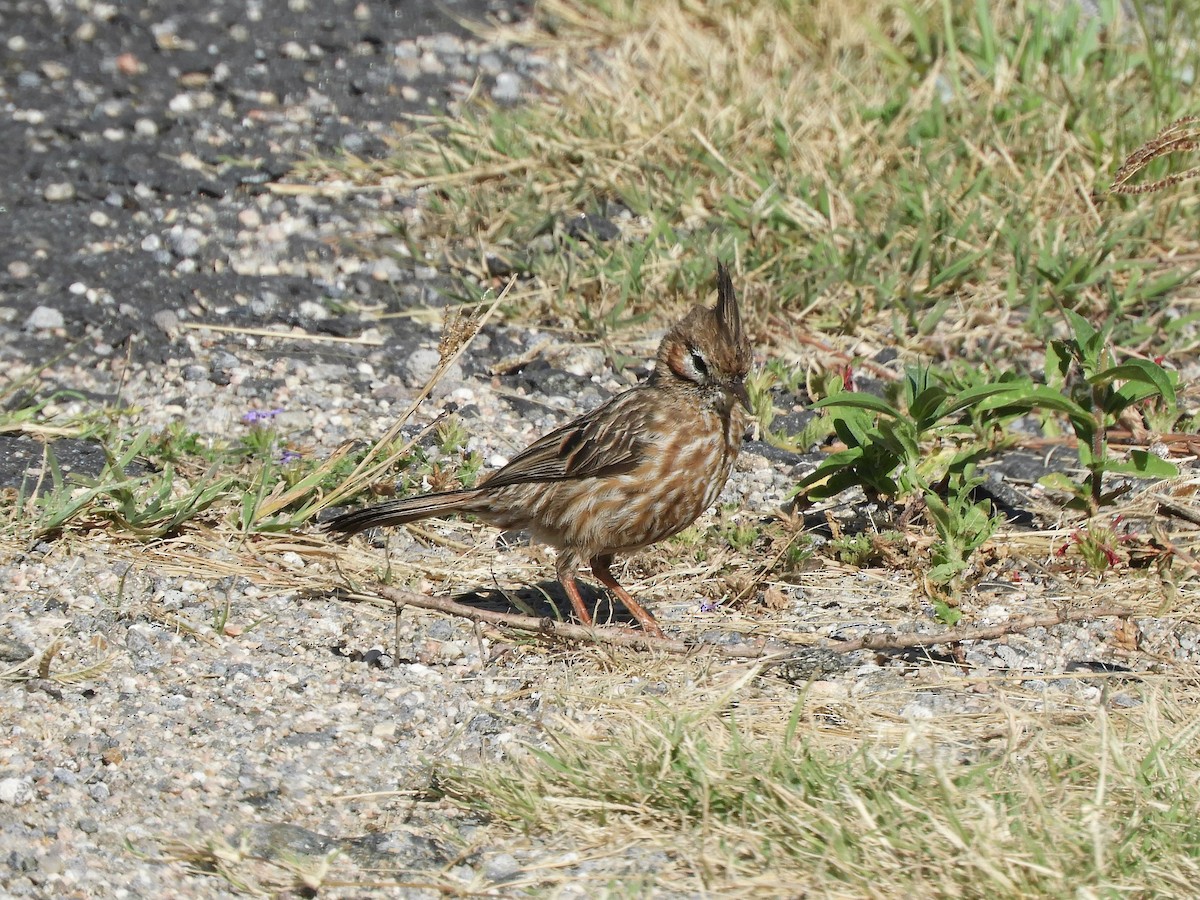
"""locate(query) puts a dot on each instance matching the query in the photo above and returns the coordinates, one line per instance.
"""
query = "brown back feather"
(588, 447)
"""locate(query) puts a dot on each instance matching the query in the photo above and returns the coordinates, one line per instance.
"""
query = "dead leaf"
(774, 599)
(1126, 634)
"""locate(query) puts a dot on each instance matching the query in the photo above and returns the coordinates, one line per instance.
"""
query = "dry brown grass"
(948, 786)
(873, 169)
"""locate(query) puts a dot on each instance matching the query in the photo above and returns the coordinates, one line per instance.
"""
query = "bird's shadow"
(547, 599)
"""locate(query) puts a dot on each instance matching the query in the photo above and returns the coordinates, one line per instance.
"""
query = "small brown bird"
(631, 472)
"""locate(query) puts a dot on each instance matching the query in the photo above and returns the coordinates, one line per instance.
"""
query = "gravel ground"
(144, 137)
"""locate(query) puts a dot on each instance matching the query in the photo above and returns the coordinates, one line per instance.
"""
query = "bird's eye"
(699, 363)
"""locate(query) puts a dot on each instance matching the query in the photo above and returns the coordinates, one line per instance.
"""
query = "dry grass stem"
(883, 642)
(290, 335)
(374, 462)
(1181, 136)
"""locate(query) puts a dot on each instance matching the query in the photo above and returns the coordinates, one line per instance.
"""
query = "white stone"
(508, 87)
(44, 317)
(15, 791)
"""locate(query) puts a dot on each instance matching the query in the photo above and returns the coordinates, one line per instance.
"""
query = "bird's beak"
(738, 388)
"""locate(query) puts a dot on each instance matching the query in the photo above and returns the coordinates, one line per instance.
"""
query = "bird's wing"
(601, 443)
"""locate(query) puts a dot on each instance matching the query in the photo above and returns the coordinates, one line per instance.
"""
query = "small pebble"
(186, 242)
(59, 192)
(501, 867)
(508, 87)
(166, 321)
(15, 791)
(44, 318)
(420, 366)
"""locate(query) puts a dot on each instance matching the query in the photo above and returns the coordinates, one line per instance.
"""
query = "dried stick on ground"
(767, 651)
(567, 631)
(888, 640)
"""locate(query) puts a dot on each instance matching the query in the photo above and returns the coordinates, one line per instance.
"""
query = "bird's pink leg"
(581, 610)
(600, 567)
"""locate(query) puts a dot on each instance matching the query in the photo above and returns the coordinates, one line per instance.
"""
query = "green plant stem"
(1099, 447)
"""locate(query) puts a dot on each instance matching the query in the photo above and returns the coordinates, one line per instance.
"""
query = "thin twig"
(546, 627)
(281, 335)
(770, 652)
(890, 640)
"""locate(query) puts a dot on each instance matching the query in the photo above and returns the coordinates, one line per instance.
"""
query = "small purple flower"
(258, 416)
(287, 457)
(709, 605)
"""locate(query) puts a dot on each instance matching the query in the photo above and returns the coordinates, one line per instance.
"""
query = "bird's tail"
(400, 512)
